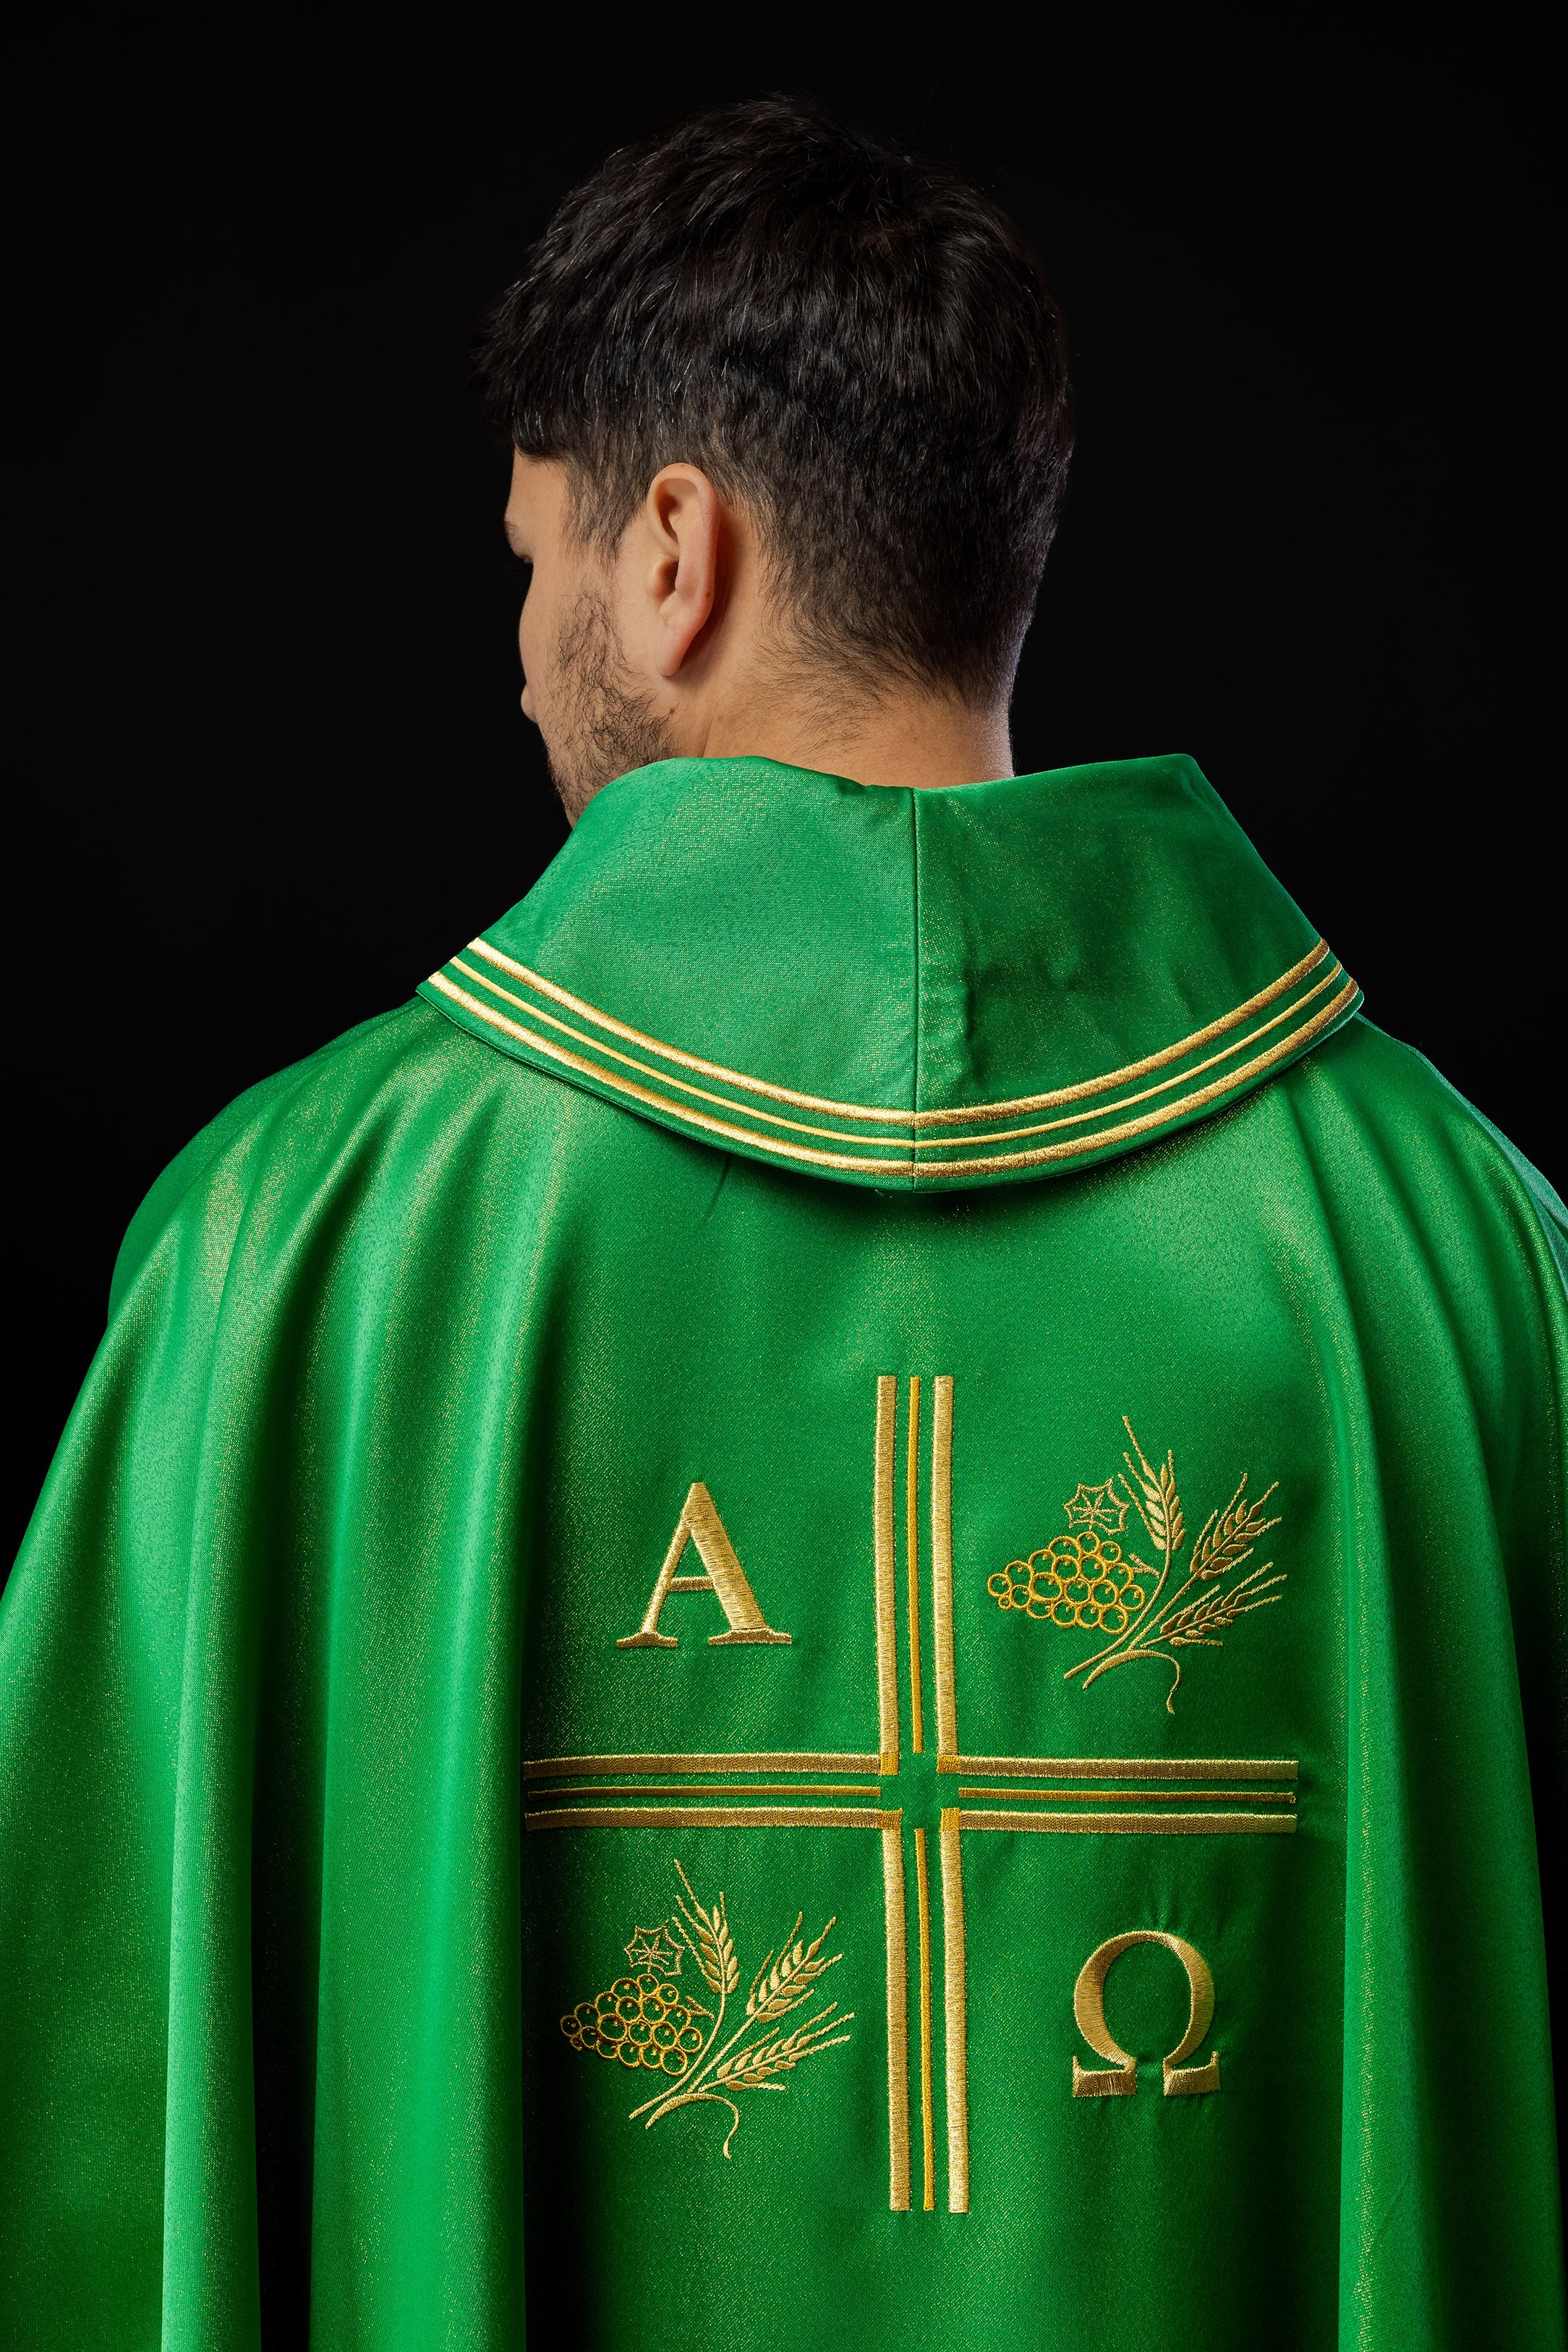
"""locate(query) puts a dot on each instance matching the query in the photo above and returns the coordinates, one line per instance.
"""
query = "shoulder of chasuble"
(909, 989)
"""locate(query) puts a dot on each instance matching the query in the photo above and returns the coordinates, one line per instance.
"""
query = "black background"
(272, 766)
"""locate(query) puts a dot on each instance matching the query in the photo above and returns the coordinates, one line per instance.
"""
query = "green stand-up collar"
(905, 988)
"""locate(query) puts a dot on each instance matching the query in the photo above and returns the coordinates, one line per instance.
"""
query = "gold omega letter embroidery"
(700, 1524)
(1089, 2007)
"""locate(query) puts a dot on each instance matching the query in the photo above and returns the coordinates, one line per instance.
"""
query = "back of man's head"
(855, 345)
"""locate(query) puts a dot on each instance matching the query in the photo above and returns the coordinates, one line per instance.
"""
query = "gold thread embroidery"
(897, 2017)
(697, 1118)
(927, 2136)
(1089, 2007)
(1297, 1042)
(643, 2022)
(700, 1094)
(1139, 1824)
(740, 1789)
(1015, 1106)
(955, 2017)
(550, 1768)
(706, 1817)
(649, 1948)
(1124, 1102)
(1135, 1795)
(700, 1524)
(1084, 1579)
(942, 1566)
(1226, 1809)
(881, 1518)
(1125, 1768)
(981, 1116)
(1233, 1082)
(912, 1568)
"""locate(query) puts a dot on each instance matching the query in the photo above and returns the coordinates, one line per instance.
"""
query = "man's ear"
(684, 523)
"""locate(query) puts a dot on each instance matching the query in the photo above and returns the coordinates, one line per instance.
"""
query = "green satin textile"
(419, 1357)
(906, 990)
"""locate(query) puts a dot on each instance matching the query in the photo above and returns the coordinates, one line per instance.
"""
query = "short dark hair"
(857, 345)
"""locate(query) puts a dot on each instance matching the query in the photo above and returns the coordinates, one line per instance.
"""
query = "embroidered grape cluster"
(642, 2021)
(1076, 1580)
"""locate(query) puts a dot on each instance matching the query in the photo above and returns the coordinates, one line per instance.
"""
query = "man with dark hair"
(827, 1608)
(791, 427)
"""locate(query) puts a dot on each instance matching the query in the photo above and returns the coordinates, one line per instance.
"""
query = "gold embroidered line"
(1137, 1824)
(709, 1817)
(1296, 1042)
(906, 1165)
(954, 2013)
(977, 1116)
(556, 1768)
(1015, 1106)
(882, 1545)
(927, 2133)
(1144, 1094)
(897, 2015)
(942, 1564)
(1135, 1795)
(1122, 1767)
(700, 1094)
(912, 1568)
(658, 1102)
(746, 1788)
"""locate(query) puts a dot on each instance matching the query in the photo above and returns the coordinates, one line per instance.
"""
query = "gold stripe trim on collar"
(721, 1102)
(906, 1165)
(1295, 1042)
(983, 1116)
(1014, 1107)
(768, 1143)
(1144, 1094)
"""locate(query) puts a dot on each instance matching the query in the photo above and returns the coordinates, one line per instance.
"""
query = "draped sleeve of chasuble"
(824, 1611)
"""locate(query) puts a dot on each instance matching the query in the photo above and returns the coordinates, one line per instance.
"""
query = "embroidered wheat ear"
(776, 2053)
(778, 1988)
(708, 1938)
(1201, 1621)
(780, 1985)
(1228, 1535)
(1154, 1495)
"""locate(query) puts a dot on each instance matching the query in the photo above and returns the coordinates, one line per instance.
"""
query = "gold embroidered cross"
(917, 1797)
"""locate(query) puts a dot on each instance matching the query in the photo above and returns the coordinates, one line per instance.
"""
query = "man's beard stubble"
(602, 730)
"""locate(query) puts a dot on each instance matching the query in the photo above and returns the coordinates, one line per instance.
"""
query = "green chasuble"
(824, 1613)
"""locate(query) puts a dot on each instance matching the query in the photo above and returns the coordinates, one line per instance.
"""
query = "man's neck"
(904, 737)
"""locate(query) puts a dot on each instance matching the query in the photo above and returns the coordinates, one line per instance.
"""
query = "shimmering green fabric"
(414, 1359)
(913, 988)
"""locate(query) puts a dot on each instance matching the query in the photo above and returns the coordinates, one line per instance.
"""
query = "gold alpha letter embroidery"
(1089, 2007)
(700, 1524)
